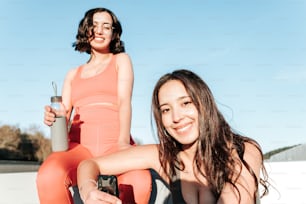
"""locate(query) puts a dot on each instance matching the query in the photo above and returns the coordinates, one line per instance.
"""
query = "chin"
(188, 143)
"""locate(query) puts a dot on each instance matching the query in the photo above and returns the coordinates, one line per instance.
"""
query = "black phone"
(108, 184)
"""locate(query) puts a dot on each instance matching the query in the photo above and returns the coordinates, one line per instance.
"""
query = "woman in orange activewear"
(97, 95)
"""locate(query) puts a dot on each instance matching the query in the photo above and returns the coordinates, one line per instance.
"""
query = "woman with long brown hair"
(201, 158)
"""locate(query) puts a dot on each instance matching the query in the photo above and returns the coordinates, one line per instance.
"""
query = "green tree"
(17, 145)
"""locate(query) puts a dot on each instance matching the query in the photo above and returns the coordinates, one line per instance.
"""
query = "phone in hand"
(108, 184)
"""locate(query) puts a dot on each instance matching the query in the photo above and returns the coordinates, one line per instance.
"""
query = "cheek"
(192, 112)
(165, 119)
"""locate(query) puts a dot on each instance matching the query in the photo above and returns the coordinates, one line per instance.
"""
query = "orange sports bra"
(96, 89)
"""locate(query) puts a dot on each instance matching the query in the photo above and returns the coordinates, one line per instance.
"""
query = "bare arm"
(66, 91)
(125, 89)
(49, 116)
(139, 157)
(245, 183)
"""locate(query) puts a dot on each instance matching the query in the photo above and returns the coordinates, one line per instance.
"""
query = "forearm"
(87, 174)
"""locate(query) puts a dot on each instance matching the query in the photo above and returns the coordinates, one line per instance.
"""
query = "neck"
(190, 149)
(99, 57)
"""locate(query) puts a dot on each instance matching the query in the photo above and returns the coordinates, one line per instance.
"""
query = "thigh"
(64, 164)
(135, 185)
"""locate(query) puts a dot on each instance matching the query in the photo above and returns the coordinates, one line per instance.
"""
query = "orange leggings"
(59, 172)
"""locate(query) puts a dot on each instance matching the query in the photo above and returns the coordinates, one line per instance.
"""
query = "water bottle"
(59, 131)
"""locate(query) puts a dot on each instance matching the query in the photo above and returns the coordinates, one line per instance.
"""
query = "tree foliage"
(27, 146)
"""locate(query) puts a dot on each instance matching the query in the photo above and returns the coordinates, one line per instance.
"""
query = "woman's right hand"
(49, 116)
(99, 197)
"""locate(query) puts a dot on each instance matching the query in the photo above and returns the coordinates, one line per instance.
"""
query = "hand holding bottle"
(55, 117)
(49, 116)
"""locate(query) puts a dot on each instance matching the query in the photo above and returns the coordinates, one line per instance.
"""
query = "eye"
(186, 103)
(164, 110)
(107, 26)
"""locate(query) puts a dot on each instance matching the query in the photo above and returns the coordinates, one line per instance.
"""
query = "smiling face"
(178, 113)
(103, 30)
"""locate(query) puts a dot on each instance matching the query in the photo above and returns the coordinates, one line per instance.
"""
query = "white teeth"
(99, 38)
(182, 129)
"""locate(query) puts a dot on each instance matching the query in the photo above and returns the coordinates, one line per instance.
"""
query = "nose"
(99, 29)
(177, 114)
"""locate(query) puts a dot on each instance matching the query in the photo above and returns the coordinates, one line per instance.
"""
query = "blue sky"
(252, 54)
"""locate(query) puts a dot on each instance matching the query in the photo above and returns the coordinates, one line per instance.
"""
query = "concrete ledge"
(18, 188)
(287, 179)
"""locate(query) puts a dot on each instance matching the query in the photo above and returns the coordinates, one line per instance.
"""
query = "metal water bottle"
(59, 131)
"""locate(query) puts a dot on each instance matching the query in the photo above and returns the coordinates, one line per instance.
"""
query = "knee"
(141, 182)
(137, 178)
(50, 174)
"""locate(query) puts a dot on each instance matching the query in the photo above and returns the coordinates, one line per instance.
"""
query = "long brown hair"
(85, 32)
(216, 138)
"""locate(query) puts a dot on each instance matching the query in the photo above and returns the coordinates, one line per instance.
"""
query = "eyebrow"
(180, 98)
(103, 22)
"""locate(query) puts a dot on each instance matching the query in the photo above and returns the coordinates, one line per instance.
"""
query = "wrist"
(86, 187)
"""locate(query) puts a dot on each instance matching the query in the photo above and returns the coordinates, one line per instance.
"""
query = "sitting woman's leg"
(58, 172)
(135, 185)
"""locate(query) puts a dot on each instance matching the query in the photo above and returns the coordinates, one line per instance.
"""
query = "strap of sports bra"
(175, 187)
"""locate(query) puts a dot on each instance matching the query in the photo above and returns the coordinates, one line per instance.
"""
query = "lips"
(99, 38)
(183, 128)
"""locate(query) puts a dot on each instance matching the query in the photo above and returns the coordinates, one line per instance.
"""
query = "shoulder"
(123, 58)
(253, 156)
(252, 150)
(71, 73)
(124, 65)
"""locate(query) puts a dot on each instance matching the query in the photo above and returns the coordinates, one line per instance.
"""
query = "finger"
(48, 108)
(107, 198)
(49, 117)
(48, 122)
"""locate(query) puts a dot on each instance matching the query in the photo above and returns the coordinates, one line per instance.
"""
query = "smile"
(99, 38)
(183, 128)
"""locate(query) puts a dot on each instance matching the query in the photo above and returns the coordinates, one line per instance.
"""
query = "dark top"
(177, 196)
(175, 188)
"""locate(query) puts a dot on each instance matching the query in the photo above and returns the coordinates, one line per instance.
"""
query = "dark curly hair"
(85, 32)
